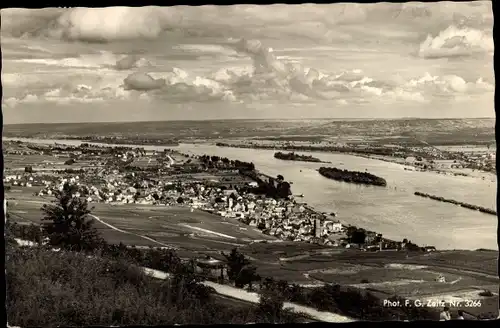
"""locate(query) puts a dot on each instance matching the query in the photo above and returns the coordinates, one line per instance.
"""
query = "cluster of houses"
(24, 180)
(286, 219)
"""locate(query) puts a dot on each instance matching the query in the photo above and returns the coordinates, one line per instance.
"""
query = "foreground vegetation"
(47, 288)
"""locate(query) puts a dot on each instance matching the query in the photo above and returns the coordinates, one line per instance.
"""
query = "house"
(211, 267)
(441, 278)
(410, 160)
(351, 245)
(333, 226)
(229, 192)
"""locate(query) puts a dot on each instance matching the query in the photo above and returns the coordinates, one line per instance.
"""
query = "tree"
(67, 225)
(283, 189)
(28, 169)
(350, 230)
(247, 276)
(271, 303)
(358, 237)
(239, 269)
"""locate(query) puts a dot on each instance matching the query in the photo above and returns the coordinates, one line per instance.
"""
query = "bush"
(46, 288)
(271, 303)
(31, 232)
(486, 293)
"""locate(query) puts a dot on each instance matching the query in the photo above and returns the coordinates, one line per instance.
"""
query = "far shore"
(389, 159)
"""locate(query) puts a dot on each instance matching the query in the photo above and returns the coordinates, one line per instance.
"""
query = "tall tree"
(239, 269)
(66, 222)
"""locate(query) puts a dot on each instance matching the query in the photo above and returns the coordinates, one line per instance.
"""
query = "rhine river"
(393, 211)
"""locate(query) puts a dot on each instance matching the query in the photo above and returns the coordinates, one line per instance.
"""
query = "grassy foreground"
(47, 288)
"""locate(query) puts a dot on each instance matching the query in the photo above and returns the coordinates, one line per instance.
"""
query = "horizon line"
(263, 119)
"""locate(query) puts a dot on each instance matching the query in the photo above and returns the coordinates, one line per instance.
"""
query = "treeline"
(129, 140)
(451, 201)
(272, 187)
(296, 157)
(276, 188)
(352, 176)
(224, 162)
(345, 149)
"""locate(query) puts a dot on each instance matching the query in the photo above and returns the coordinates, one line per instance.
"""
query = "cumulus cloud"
(455, 42)
(245, 68)
(142, 82)
(309, 21)
(95, 24)
(129, 62)
(448, 86)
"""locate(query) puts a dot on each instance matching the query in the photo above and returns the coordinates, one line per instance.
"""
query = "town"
(122, 175)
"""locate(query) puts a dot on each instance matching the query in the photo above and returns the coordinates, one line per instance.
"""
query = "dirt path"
(131, 233)
(115, 228)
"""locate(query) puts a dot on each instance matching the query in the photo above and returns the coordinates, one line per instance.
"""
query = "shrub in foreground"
(66, 222)
(46, 288)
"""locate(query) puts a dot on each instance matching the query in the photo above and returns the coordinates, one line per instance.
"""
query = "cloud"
(456, 42)
(93, 24)
(245, 68)
(142, 82)
(306, 21)
(129, 62)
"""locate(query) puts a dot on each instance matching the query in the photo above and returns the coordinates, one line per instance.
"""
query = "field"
(385, 274)
(432, 131)
(41, 163)
(176, 226)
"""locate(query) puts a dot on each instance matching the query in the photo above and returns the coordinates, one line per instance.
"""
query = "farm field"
(176, 226)
(176, 219)
(41, 163)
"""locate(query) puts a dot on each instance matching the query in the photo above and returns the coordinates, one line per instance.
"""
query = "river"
(393, 211)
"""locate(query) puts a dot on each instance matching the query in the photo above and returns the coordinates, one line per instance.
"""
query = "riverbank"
(382, 154)
(451, 201)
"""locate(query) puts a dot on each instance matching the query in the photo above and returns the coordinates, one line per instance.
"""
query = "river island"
(352, 176)
(297, 157)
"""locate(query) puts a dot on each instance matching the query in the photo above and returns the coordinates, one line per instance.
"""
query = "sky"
(383, 60)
